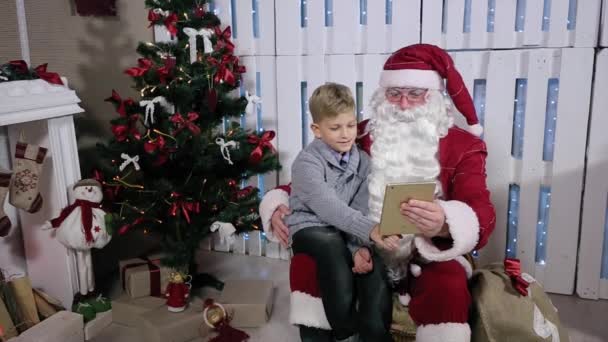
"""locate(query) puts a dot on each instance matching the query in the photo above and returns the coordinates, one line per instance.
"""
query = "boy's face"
(338, 132)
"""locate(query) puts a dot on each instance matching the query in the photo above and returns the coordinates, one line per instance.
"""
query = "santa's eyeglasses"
(414, 95)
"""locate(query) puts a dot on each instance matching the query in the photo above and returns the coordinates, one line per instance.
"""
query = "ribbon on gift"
(513, 270)
(154, 271)
(262, 142)
(206, 33)
(170, 22)
(184, 206)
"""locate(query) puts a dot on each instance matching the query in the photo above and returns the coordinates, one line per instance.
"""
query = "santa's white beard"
(405, 144)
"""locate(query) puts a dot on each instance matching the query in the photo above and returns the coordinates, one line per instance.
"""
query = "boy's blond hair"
(329, 100)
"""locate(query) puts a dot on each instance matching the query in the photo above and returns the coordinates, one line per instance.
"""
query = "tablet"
(391, 220)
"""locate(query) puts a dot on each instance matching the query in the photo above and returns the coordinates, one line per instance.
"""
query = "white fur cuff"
(464, 229)
(308, 311)
(270, 202)
(444, 332)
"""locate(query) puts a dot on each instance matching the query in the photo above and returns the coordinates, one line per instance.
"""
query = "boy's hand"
(363, 261)
(428, 217)
(390, 243)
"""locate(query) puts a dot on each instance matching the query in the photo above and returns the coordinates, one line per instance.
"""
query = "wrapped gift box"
(127, 311)
(160, 325)
(100, 322)
(248, 301)
(63, 326)
(139, 277)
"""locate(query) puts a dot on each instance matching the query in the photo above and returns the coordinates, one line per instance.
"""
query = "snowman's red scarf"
(86, 209)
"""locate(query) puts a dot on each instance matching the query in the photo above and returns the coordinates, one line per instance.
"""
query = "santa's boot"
(5, 222)
(28, 164)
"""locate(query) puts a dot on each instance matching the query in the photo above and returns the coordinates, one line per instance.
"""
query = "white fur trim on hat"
(464, 229)
(415, 78)
(270, 202)
(308, 311)
(444, 332)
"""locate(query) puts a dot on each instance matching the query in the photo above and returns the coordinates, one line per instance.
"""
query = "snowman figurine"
(81, 226)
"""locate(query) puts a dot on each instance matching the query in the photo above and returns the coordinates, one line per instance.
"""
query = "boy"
(329, 200)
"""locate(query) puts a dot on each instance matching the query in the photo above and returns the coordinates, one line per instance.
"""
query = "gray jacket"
(325, 194)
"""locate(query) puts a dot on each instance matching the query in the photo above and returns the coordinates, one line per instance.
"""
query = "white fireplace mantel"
(42, 114)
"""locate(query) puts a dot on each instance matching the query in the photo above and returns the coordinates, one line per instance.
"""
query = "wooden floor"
(585, 319)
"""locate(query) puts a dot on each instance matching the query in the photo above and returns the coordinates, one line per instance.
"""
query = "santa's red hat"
(426, 66)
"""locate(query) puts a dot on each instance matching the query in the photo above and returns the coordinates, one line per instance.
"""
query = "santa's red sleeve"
(469, 212)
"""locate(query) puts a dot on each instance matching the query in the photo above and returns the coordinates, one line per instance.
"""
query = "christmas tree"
(177, 161)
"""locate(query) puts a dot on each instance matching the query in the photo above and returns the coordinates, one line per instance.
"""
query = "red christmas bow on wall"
(262, 142)
(144, 65)
(121, 104)
(185, 207)
(182, 123)
(513, 270)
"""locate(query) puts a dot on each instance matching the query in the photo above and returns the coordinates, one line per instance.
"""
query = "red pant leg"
(440, 294)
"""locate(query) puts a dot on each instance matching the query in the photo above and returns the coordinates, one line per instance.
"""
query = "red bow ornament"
(239, 69)
(170, 22)
(166, 71)
(159, 144)
(121, 104)
(182, 123)
(513, 270)
(223, 39)
(144, 65)
(185, 207)
(122, 131)
(262, 142)
(244, 192)
(51, 77)
(153, 17)
(223, 74)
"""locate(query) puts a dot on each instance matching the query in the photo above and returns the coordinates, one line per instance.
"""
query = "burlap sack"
(501, 314)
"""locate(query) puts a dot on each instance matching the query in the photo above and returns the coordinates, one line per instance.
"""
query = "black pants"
(341, 289)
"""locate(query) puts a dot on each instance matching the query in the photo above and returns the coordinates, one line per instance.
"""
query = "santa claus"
(414, 139)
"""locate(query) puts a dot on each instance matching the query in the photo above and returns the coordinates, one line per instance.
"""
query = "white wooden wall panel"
(504, 35)
(570, 143)
(246, 43)
(596, 189)
(344, 33)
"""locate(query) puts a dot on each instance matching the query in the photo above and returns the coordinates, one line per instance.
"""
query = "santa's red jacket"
(466, 200)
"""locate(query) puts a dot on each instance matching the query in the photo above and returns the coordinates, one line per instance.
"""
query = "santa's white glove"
(226, 231)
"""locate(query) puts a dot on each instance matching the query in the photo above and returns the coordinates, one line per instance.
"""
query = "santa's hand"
(362, 260)
(277, 224)
(428, 217)
(47, 225)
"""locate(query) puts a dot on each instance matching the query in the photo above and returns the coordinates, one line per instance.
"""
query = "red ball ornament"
(232, 183)
(199, 12)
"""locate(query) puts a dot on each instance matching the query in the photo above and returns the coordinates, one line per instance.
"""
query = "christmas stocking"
(24, 190)
(5, 222)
